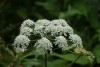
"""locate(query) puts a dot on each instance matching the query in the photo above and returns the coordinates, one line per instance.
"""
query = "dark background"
(82, 15)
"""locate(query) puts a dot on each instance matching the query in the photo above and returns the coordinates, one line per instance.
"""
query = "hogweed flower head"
(51, 33)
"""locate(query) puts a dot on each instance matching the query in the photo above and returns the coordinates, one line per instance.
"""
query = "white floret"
(21, 41)
(39, 29)
(54, 30)
(43, 45)
(26, 31)
(27, 23)
(51, 29)
(61, 42)
(43, 22)
(59, 22)
(76, 40)
(68, 29)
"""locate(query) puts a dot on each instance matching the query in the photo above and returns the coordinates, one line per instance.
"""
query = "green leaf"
(31, 62)
(50, 6)
(71, 57)
(96, 52)
(62, 15)
(72, 11)
(57, 63)
(81, 6)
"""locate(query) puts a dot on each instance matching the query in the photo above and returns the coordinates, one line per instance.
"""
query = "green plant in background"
(50, 35)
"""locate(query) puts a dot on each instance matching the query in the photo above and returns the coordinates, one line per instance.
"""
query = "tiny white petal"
(26, 31)
(61, 42)
(76, 40)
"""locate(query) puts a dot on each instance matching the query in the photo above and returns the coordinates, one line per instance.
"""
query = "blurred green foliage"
(82, 15)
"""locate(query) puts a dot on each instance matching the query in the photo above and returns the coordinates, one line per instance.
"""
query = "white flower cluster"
(43, 45)
(61, 42)
(22, 41)
(59, 29)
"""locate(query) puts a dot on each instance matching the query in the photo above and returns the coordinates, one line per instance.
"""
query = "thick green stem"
(45, 59)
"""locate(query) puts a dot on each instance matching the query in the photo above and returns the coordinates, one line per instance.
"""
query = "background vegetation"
(82, 15)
